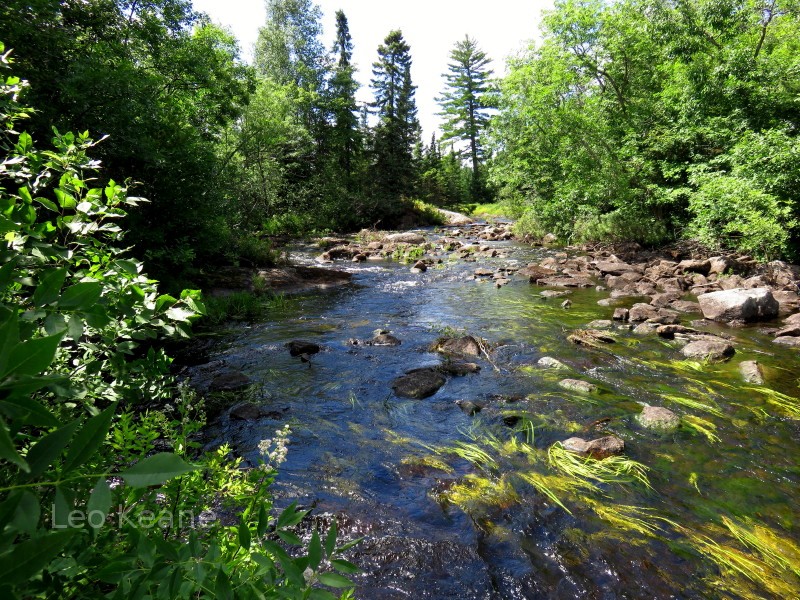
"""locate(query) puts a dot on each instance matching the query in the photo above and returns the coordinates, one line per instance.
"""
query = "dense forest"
(135, 129)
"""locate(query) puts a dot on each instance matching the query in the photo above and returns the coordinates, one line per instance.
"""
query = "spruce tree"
(346, 137)
(398, 128)
(465, 102)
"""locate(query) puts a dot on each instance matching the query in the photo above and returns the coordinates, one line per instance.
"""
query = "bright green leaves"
(81, 296)
(156, 469)
(31, 357)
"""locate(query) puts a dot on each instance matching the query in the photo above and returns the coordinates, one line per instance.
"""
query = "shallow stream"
(441, 520)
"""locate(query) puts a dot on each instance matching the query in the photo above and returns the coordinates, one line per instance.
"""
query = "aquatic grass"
(611, 470)
(472, 453)
(779, 553)
(789, 404)
(545, 485)
(428, 461)
(694, 404)
(639, 519)
(474, 493)
(737, 568)
(702, 426)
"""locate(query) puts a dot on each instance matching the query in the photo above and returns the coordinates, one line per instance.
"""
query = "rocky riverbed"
(503, 420)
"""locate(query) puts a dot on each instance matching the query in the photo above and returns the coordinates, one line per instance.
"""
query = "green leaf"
(330, 539)
(314, 551)
(263, 520)
(7, 449)
(344, 566)
(156, 469)
(45, 452)
(28, 411)
(27, 559)
(9, 336)
(349, 545)
(99, 504)
(289, 537)
(26, 517)
(32, 357)
(290, 516)
(82, 296)
(7, 273)
(64, 199)
(335, 580)
(48, 290)
(222, 586)
(75, 327)
(320, 594)
(164, 300)
(131, 267)
(89, 439)
(178, 313)
(244, 535)
(55, 323)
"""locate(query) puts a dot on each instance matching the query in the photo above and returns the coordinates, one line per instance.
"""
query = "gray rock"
(756, 304)
(229, 381)
(789, 341)
(419, 383)
(599, 448)
(685, 306)
(645, 328)
(549, 362)
(621, 314)
(385, 339)
(419, 267)
(566, 303)
(470, 408)
(642, 312)
(709, 349)
(617, 268)
(658, 418)
(465, 346)
(405, 237)
(554, 293)
(751, 372)
(788, 301)
(791, 330)
(600, 324)
(718, 265)
(576, 385)
(590, 337)
(482, 272)
(695, 266)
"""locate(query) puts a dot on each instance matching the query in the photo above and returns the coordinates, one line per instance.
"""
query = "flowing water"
(443, 521)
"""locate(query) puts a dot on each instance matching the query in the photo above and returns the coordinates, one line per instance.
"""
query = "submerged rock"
(419, 383)
(751, 372)
(384, 339)
(788, 341)
(739, 304)
(590, 337)
(458, 368)
(710, 349)
(548, 362)
(246, 411)
(577, 385)
(229, 381)
(658, 418)
(298, 347)
(599, 448)
(470, 408)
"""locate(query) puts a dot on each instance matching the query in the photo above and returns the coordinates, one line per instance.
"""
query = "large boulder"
(751, 372)
(229, 381)
(419, 383)
(405, 237)
(463, 346)
(709, 349)
(658, 418)
(600, 448)
(739, 304)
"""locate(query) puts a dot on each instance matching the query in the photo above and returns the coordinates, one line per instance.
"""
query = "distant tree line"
(649, 120)
(227, 153)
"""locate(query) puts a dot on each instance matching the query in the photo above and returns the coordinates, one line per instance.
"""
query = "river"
(708, 511)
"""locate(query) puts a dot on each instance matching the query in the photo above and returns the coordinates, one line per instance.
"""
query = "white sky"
(430, 27)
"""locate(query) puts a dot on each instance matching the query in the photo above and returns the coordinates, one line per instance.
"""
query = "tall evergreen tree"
(398, 127)
(345, 138)
(465, 101)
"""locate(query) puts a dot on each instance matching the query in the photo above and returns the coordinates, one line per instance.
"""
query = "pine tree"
(398, 127)
(346, 137)
(465, 101)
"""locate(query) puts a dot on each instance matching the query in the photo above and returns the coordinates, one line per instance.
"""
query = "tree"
(465, 102)
(345, 137)
(398, 127)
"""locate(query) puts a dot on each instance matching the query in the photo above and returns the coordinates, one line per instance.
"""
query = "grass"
(702, 426)
(788, 404)
(494, 209)
(239, 306)
(694, 404)
(611, 470)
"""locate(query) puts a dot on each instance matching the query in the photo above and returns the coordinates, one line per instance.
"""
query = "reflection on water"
(375, 460)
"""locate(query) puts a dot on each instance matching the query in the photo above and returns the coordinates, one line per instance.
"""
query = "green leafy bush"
(100, 497)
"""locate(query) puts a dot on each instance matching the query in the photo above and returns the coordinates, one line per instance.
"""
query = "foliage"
(162, 82)
(647, 119)
(465, 103)
(100, 496)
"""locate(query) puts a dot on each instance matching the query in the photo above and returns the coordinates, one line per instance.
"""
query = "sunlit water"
(358, 451)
